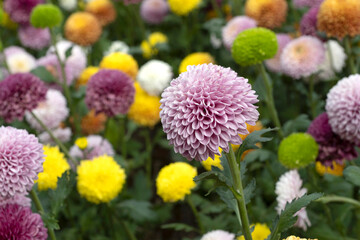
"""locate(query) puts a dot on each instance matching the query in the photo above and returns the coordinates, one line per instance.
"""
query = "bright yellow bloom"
(81, 142)
(337, 169)
(183, 7)
(261, 232)
(145, 110)
(216, 162)
(100, 180)
(149, 46)
(297, 238)
(195, 59)
(122, 62)
(54, 166)
(175, 181)
(86, 74)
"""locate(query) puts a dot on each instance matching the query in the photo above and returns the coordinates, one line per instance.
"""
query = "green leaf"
(179, 227)
(352, 174)
(333, 198)
(299, 124)
(68, 51)
(50, 221)
(43, 74)
(228, 198)
(64, 187)
(139, 211)
(249, 191)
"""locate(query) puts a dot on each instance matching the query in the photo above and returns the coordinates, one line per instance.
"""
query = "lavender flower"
(154, 11)
(96, 147)
(35, 38)
(307, 3)
(62, 134)
(274, 63)
(234, 27)
(18, 199)
(20, 10)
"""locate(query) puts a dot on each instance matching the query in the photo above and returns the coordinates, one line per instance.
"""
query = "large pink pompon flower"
(205, 108)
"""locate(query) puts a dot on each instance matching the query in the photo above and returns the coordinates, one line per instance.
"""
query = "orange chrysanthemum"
(103, 10)
(93, 123)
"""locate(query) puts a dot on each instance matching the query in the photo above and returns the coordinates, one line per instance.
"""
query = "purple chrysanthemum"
(307, 3)
(154, 11)
(20, 10)
(35, 38)
(21, 158)
(274, 63)
(205, 108)
(17, 222)
(302, 56)
(18, 199)
(309, 21)
(96, 147)
(111, 92)
(343, 108)
(331, 146)
(19, 93)
(234, 27)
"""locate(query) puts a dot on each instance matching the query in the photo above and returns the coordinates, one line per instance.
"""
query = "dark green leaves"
(43, 74)
(352, 174)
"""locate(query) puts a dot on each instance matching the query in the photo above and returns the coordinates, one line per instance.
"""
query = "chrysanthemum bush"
(169, 119)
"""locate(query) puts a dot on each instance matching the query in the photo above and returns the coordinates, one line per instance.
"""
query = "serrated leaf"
(43, 74)
(50, 221)
(249, 190)
(64, 187)
(179, 227)
(211, 175)
(352, 174)
(228, 198)
(139, 211)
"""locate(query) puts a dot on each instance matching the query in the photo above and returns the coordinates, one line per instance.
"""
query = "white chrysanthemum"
(287, 189)
(117, 46)
(68, 5)
(20, 62)
(63, 134)
(154, 76)
(51, 112)
(215, 41)
(96, 147)
(218, 235)
(334, 60)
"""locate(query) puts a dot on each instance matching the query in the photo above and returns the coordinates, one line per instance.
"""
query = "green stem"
(333, 198)
(196, 214)
(351, 64)
(127, 230)
(149, 148)
(270, 99)
(240, 197)
(57, 141)
(311, 99)
(41, 210)
(122, 123)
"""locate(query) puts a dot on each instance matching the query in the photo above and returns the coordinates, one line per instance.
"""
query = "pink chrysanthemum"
(287, 189)
(274, 63)
(21, 158)
(309, 21)
(18, 199)
(96, 147)
(307, 3)
(302, 57)
(205, 108)
(62, 134)
(234, 27)
(111, 92)
(343, 108)
(331, 146)
(218, 235)
(19, 93)
(17, 222)
(35, 38)
(154, 11)
(20, 10)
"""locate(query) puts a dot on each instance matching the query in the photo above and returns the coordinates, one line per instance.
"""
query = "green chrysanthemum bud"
(46, 15)
(298, 150)
(253, 46)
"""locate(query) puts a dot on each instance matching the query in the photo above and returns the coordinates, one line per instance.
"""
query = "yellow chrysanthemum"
(103, 10)
(250, 128)
(145, 110)
(208, 163)
(100, 180)
(297, 238)
(336, 170)
(195, 59)
(122, 62)
(7, 22)
(54, 166)
(175, 181)
(81, 142)
(86, 74)
(149, 46)
(183, 7)
(261, 232)
(93, 123)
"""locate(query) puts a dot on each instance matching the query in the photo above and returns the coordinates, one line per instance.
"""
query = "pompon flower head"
(261, 232)
(331, 146)
(122, 62)
(302, 57)
(216, 162)
(175, 181)
(196, 58)
(145, 110)
(86, 74)
(335, 169)
(34, 38)
(111, 92)
(154, 11)
(218, 235)
(183, 7)
(343, 108)
(51, 112)
(252, 46)
(63, 134)
(308, 24)
(288, 188)
(339, 18)
(21, 158)
(18, 60)
(103, 10)
(68, 5)
(96, 147)
(334, 62)
(297, 238)
(307, 3)
(93, 123)
(46, 16)
(54, 166)
(117, 46)
(274, 63)
(82, 28)
(154, 76)
(148, 46)
(267, 13)
(234, 27)
(105, 168)
(19, 93)
(298, 150)
(19, 199)
(17, 222)
(206, 108)
(20, 10)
